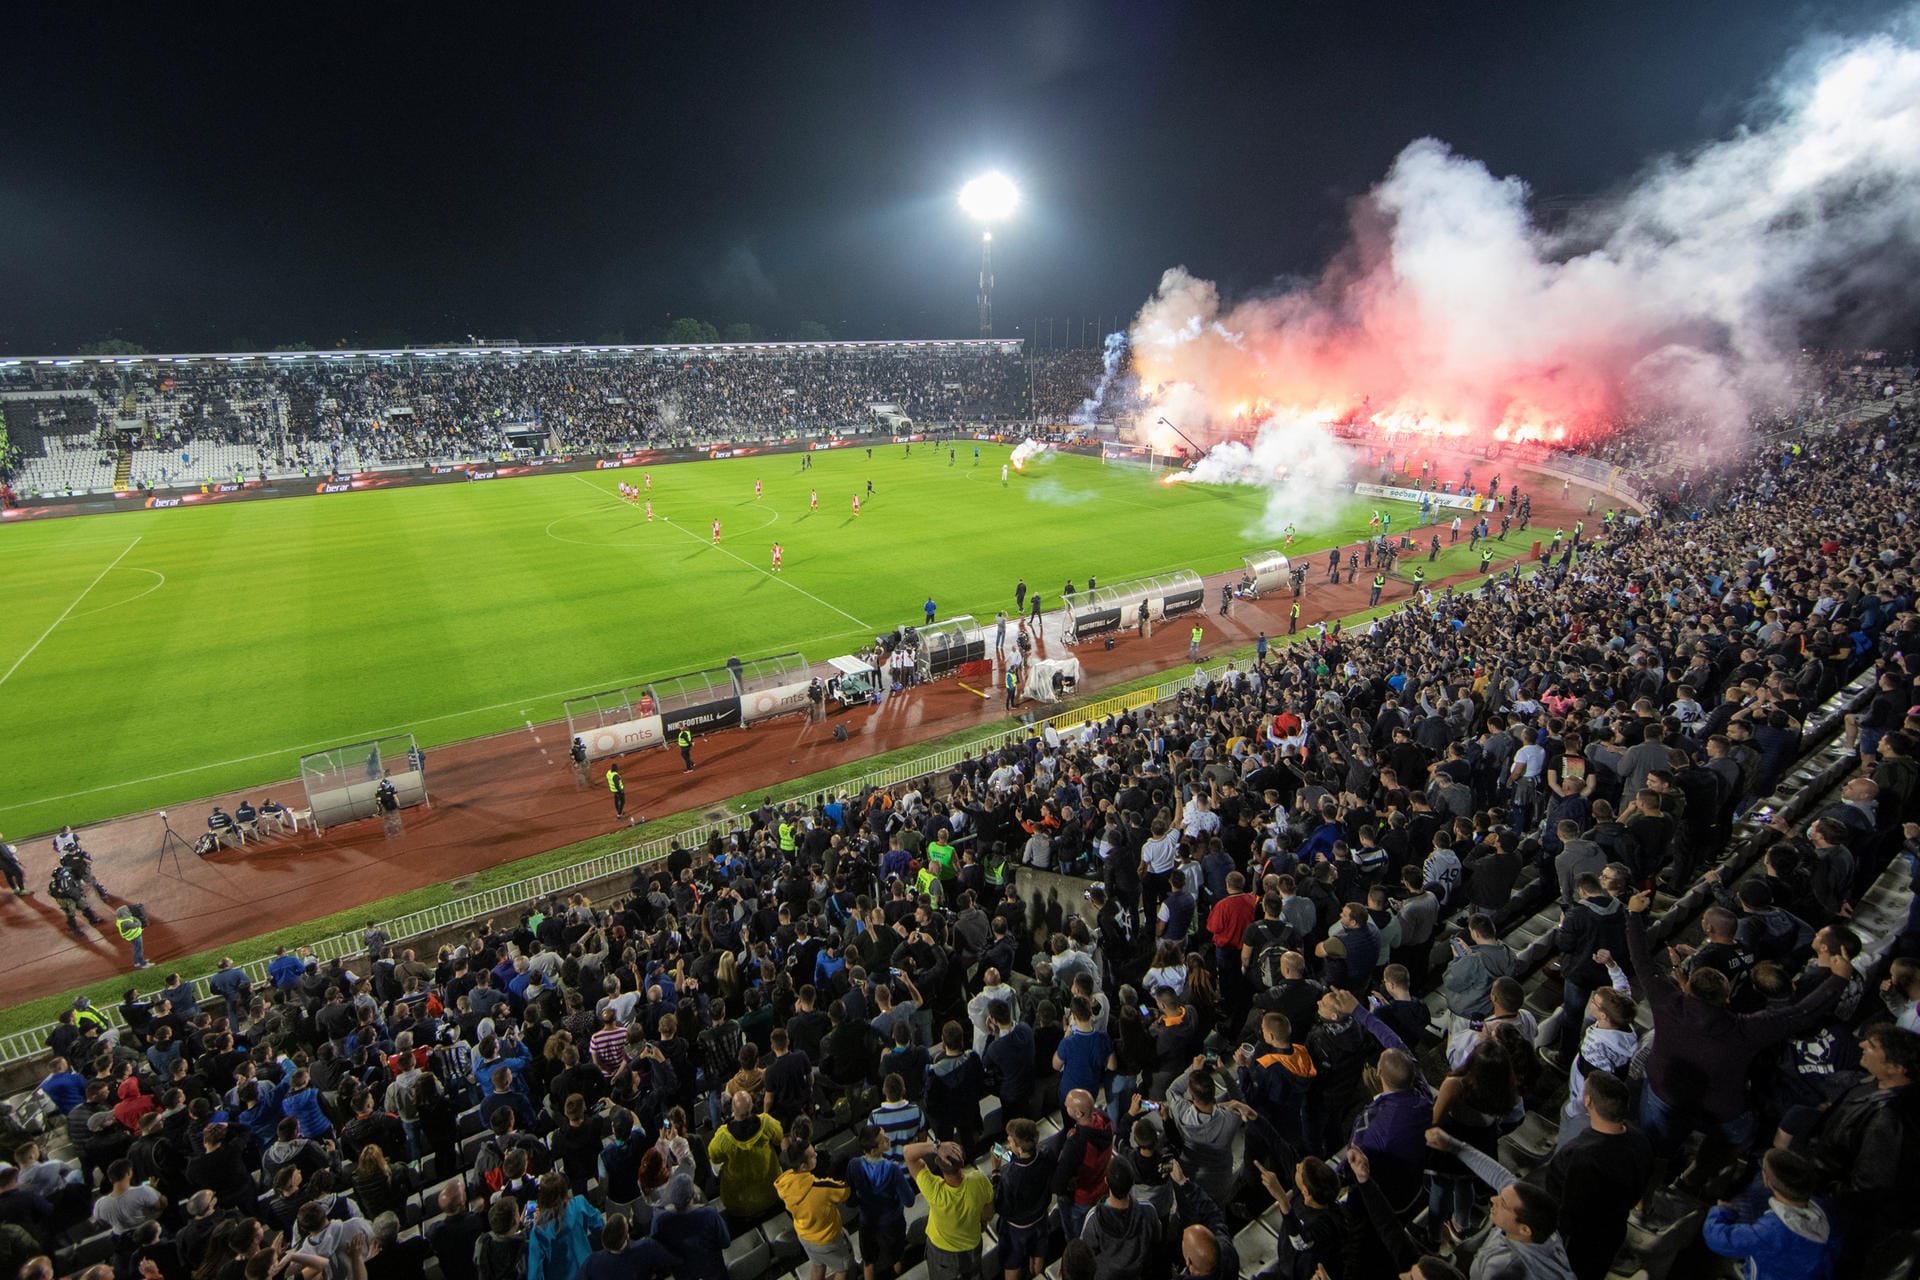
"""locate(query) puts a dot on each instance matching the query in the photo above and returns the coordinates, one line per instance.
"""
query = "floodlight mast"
(990, 198)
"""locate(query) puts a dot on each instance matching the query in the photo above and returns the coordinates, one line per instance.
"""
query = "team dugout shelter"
(1110, 608)
(342, 782)
(620, 721)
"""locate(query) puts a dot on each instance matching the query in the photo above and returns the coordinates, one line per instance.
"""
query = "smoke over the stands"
(1451, 311)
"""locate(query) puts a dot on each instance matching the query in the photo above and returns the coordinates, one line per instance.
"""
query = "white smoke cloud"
(1110, 361)
(1027, 450)
(1684, 296)
(1291, 459)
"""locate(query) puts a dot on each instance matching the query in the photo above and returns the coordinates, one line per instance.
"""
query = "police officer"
(618, 790)
(128, 922)
(1486, 561)
(1293, 618)
(67, 895)
(1379, 585)
(578, 752)
(10, 866)
(685, 742)
(79, 865)
(1419, 579)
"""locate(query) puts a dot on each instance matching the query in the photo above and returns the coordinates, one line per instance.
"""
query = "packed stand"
(1284, 1030)
(201, 421)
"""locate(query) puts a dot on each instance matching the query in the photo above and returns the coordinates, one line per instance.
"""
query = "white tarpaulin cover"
(1038, 683)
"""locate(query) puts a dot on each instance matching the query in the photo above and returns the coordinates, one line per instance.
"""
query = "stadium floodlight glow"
(991, 197)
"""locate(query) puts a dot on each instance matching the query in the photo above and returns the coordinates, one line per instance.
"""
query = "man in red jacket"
(1228, 922)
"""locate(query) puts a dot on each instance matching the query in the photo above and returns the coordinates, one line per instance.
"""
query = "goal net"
(1139, 455)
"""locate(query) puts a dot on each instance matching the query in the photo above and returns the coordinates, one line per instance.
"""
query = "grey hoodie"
(1470, 977)
(1208, 1139)
(1503, 1258)
(1124, 1241)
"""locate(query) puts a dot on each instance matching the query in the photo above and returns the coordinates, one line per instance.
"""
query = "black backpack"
(1266, 972)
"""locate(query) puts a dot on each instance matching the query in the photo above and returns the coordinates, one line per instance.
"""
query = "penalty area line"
(69, 609)
(766, 573)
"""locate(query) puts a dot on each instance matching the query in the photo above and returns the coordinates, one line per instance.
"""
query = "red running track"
(513, 795)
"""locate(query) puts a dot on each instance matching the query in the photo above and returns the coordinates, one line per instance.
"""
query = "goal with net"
(1139, 455)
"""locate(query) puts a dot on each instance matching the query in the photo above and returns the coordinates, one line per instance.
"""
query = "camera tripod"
(171, 842)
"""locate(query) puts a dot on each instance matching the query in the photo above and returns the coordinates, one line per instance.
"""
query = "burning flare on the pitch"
(1026, 451)
(1453, 313)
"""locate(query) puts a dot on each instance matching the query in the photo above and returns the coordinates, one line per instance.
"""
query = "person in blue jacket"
(1792, 1239)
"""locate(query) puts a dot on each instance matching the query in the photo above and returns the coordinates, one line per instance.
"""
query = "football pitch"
(149, 658)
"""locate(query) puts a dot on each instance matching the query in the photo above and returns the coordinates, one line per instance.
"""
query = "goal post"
(1125, 453)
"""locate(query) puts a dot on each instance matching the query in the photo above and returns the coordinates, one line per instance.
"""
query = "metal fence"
(27, 1044)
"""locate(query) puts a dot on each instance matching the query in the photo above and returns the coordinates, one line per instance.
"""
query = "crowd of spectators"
(1291, 992)
(315, 412)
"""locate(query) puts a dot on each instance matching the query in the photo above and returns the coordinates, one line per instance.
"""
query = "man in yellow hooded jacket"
(746, 1152)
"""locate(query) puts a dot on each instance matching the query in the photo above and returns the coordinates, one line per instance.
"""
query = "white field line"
(69, 609)
(360, 736)
(615, 498)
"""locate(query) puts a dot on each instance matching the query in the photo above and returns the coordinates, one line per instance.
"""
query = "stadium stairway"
(122, 468)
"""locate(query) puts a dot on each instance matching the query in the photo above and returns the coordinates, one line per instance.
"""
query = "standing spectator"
(1468, 982)
(745, 1151)
(959, 1204)
(1022, 1194)
(1009, 1061)
(557, 1246)
(694, 1233)
(883, 1190)
(1791, 1235)
(815, 1204)
(501, 1254)
(1124, 1234)
(1702, 1049)
(1080, 1156)
(1208, 1125)
(955, 1084)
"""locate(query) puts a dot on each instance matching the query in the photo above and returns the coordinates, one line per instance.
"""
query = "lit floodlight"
(991, 197)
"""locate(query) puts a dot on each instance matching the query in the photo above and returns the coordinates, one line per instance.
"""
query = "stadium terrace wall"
(459, 473)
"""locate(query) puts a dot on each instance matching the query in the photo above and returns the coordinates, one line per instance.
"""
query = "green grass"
(169, 655)
(34, 1013)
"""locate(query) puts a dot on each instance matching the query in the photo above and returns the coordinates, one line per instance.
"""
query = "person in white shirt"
(994, 989)
(1201, 821)
(1608, 1044)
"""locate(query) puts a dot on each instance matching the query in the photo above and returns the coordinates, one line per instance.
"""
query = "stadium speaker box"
(1109, 642)
(839, 733)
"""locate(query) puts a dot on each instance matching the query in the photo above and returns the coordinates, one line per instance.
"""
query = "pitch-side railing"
(478, 906)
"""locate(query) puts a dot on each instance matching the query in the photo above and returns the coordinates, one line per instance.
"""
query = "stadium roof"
(524, 349)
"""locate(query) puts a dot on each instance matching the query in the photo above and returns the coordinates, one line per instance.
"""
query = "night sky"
(198, 177)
